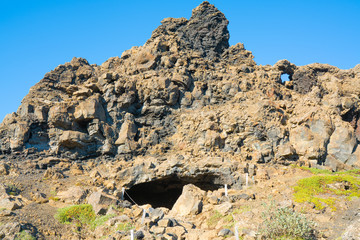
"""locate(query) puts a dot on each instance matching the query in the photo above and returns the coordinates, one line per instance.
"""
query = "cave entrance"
(164, 192)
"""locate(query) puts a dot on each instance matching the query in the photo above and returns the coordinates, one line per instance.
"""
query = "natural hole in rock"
(285, 77)
(164, 192)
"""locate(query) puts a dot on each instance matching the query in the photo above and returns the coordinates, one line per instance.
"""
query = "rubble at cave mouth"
(164, 192)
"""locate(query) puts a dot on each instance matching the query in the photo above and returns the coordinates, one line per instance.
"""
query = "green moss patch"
(325, 188)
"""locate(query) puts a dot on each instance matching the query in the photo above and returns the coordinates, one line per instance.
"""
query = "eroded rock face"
(187, 91)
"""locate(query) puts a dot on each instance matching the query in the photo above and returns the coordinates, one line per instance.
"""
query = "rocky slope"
(185, 108)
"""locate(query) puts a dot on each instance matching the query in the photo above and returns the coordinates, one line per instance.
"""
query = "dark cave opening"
(164, 192)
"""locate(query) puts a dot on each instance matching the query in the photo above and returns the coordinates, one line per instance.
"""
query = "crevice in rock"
(38, 137)
(164, 192)
(352, 117)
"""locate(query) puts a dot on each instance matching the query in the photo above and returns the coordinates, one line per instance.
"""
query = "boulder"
(128, 130)
(74, 139)
(225, 232)
(341, 146)
(90, 109)
(189, 202)
(9, 204)
(101, 202)
(310, 140)
(74, 195)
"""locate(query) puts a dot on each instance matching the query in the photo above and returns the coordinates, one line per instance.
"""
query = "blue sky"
(37, 36)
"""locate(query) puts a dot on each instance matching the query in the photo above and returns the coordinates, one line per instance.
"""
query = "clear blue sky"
(37, 36)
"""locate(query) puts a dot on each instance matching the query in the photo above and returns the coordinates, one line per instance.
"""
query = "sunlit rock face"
(186, 91)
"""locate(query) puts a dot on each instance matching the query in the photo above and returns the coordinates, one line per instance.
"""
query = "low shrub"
(285, 223)
(78, 214)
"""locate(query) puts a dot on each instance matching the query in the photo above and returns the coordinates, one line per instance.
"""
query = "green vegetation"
(325, 188)
(82, 215)
(228, 219)
(316, 171)
(353, 172)
(124, 227)
(55, 199)
(285, 223)
(79, 214)
(214, 218)
(99, 221)
(24, 235)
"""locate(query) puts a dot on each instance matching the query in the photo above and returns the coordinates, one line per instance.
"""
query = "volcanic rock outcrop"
(187, 93)
(151, 139)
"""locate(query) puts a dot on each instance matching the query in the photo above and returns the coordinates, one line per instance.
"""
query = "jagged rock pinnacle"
(206, 31)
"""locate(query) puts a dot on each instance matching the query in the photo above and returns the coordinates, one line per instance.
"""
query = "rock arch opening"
(164, 192)
(285, 77)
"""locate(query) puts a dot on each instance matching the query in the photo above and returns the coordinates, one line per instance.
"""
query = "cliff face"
(186, 91)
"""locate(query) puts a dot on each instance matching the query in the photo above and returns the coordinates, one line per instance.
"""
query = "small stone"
(156, 214)
(164, 222)
(139, 235)
(178, 231)
(4, 169)
(9, 203)
(213, 200)
(224, 208)
(225, 232)
(157, 230)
